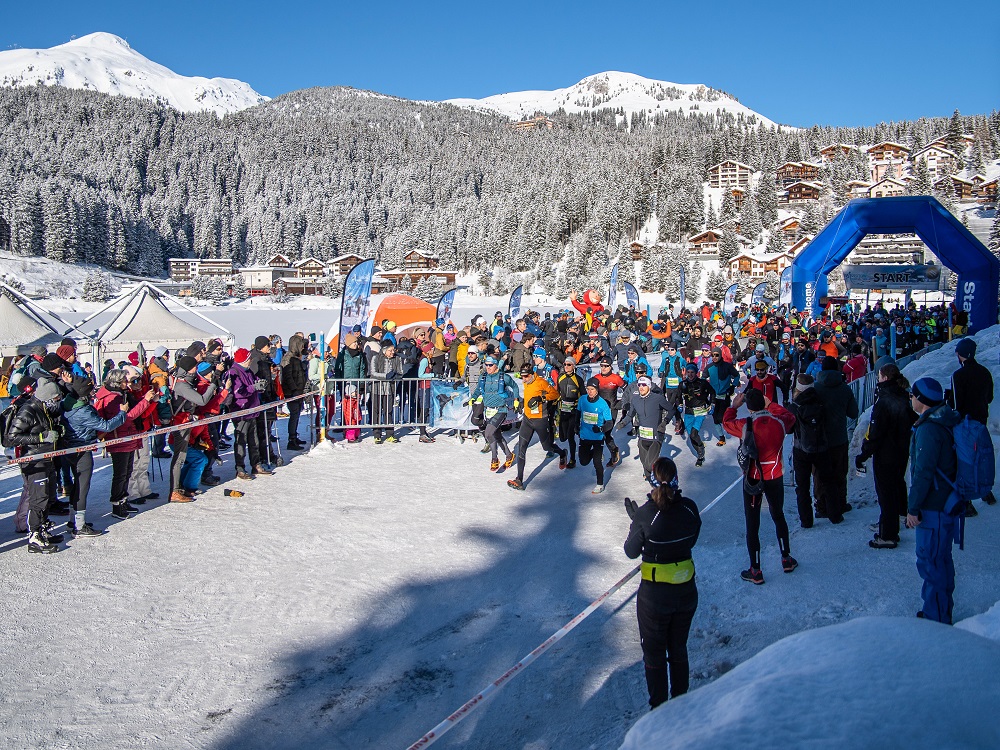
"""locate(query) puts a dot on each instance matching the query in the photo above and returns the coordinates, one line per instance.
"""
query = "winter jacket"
(187, 398)
(495, 391)
(723, 378)
(650, 415)
(260, 365)
(26, 430)
(769, 429)
(245, 395)
(891, 425)
(107, 403)
(628, 373)
(83, 423)
(519, 355)
(350, 365)
(840, 405)
(385, 370)
(536, 393)
(293, 373)
(855, 368)
(671, 370)
(932, 450)
(972, 391)
(664, 536)
(768, 386)
(595, 416)
(473, 371)
(607, 387)
(810, 435)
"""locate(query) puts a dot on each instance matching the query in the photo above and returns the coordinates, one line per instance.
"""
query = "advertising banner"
(357, 297)
(514, 305)
(631, 296)
(445, 304)
(729, 301)
(892, 277)
(613, 292)
(785, 293)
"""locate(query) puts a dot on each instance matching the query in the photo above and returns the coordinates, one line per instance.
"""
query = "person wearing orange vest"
(538, 393)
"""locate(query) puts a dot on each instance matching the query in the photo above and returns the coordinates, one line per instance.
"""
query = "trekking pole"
(322, 388)
(267, 439)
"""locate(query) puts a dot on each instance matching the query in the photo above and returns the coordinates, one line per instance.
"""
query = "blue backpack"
(976, 470)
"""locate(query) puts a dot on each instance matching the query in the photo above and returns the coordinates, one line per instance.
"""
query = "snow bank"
(883, 675)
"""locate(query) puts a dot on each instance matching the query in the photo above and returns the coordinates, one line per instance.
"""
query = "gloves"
(534, 402)
(517, 405)
(631, 507)
(49, 436)
(260, 385)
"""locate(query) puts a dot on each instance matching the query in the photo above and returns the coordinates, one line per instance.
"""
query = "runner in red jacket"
(771, 423)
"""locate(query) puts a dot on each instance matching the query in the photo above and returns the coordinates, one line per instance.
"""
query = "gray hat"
(159, 351)
(39, 351)
(47, 390)
(883, 361)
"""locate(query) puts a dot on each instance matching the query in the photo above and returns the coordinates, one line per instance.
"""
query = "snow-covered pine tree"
(812, 220)
(280, 291)
(953, 138)
(716, 286)
(333, 286)
(626, 266)
(775, 241)
(729, 247)
(695, 273)
(97, 287)
(485, 282)
(993, 242)
(201, 288)
(767, 199)
(239, 287)
(921, 182)
(744, 285)
(773, 289)
(728, 209)
(750, 220)
(406, 284)
(218, 289)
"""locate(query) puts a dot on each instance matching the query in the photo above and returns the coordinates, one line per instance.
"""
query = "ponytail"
(666, 489)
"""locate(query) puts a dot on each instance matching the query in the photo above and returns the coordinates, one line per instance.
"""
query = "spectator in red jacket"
(857, 366)
(771, 423)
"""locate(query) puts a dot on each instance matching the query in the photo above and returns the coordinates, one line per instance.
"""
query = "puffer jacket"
(107, 403)
(293, 373)
(245, 395)
(25, 432)
(83, 423)
(385, 370)
(350, 364)
(840, 405)
(932, 450)
(889, 431)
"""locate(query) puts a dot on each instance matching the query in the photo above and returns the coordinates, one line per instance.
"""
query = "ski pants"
(649, 451)
(195, 464)
(805, 465)
(82, 467)
(121, 472)
(38, 483)
(138, 483)
(569, 426)
(529, 428)
(774, 491)
(935, 564)
(494, 436)
(831, 471)
(593, 449)
(665, 612)
(673, 397)
(245, 444)
(692, 425)
(890, 487)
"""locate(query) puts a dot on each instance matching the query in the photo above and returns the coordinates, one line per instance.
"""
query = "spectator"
(971, 394)
(839, 406)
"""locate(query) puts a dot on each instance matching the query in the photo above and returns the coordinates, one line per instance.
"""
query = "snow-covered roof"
(345, 257)
(933, 147)
(420, 253)
(888, 144)
(310, 259)
(816, 185)
(893, 180)
(731, 161)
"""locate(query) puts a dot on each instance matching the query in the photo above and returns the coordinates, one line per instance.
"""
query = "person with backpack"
(294, 383)
(887, 441)
(808, 445)
(571, 387)
(724, 379)
(933, 471)
(240, 382)
(595, 422)
(495, 393)
(664, 532)
(538, 394)
(762, 435)
(971, 394)
(186, 399)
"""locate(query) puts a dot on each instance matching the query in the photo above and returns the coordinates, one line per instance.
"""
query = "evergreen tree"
(744, 285)
(750, 218)
(812, 220)
(626, 266)
(953, 138)
(485, 281)
(921, 182)
(716, 286)
(775, 241)
(993, 242)
(767, 199)
(694, 277)
(729, 247)
(240, 287)
(333, 286)
(773, 289)
(280, 291)
(728, 209)
(97, 287)
(218, 289)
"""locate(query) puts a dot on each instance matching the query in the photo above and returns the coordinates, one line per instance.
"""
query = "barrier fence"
(864, 388)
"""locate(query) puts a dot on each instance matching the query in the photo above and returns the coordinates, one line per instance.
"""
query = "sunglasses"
(716, 356)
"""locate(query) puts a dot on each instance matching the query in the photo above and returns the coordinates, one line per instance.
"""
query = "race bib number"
(700, 411)
(491, 412)
(566, 406)
(646, 433)
(673, 382)
(590, 417)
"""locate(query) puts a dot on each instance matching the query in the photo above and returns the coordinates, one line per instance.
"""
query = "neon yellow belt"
(678, 572)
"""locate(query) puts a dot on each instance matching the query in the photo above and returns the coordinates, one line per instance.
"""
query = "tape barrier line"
(157, 431)
(475, 702)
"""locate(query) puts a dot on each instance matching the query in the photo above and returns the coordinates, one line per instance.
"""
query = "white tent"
(22, 325)
(142, 318)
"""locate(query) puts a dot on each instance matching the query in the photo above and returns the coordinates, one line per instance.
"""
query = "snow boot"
(38, 543)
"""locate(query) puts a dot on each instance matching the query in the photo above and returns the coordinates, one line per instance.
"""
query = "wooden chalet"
(986, 191)
(342, 264)
(795, 171)
(790, 228)
(637, 249)
(534, 123)
(739, 194)
(447, 278)
(800, 192)
(729, 174)
(758, 266)
(888, 150)
(415, 260)
(961, 188)
(886, 188)
(829, 153)
(309, 268)
(857, 189)
(799, 245)
(940, 161)
(705, 243)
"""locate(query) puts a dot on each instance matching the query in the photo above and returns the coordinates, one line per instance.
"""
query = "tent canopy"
(143, 317)
(977, 268)
(23, 325)
(405, 311)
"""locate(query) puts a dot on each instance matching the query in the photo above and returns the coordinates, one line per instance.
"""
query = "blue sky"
(797, 63)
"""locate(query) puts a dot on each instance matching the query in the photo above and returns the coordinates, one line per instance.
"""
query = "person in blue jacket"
(671, 374)
(595, 420)
(496, 391)
(83, 424)
(635, 357)
(724, 379)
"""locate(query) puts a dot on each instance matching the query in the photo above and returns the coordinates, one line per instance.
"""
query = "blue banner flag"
(785, 292)
(631, 296)
(757, 295)
(613, 292)
(729, 301)
(445, 304)
(514, 306)
(357, 297)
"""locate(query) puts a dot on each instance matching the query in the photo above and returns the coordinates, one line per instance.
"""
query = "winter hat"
(133, 358)
(473, 349)
(804, 382)
(526, 369)
(640, 367)
(133, 371)
(386, 343)
(928, 391)
(706, 348)
(593, 383)
(187, 364)
(241, 355)
(490, 360)
(761, 366)
(966, 348)
(691, 366)
(196, 348)
(644, 381)
(786, 336)
(71, 343)
(39, 351)
(389, 326)
(761, 348)
(831, 363)
(66, 352)
(727, 329)
(204, 367)
(538, 352)
(160, 351)
(260, 342)
(53, 362)
(47, 391)
(82, 387)
(569, 361)
(755, 400)
(349, 338)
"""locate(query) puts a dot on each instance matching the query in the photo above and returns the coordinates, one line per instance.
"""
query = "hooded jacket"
(293, 373)
(107, 404)
(840, 405)
(245, 395)
(888, 436)
(932, 450)
(83, 423)
(769, 429)
(26, 430)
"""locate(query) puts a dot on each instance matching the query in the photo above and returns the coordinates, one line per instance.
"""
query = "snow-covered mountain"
(612, 90)
(104, 62)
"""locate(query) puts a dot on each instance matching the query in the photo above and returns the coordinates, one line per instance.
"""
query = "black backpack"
(810, 423)
(7, 420)
(747, 456)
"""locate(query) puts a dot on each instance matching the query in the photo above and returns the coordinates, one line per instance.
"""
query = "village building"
(887, 188)
(961, 188)
(414, 260)
(887, 159)
(729, 174)
(857, 188)
(800, 192)
(986, 191)
(795, 171)
(342, 264)
(829, 153)
(940, 161)
(758, 266)
(534, 123)
(185, 269)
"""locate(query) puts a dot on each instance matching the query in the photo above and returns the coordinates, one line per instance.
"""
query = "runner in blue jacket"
(595, 420)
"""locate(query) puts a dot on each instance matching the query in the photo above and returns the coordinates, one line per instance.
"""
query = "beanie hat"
(133, 358)
(47, 390)
(928, 391)
(761, 348)
(966, 348)
(644, 381)
(526, 369)
(159, 351)
(82, 387)
(68, 342)
(439, 321)
(641, 367)
(350, 338)
(39, 351)
(386, 343)
(831, 363)
(204, 367)
(187, 364)
(66, 352)
(52, 362)
(755, 400)
(569, 361)
(133, 371)
(538, 352)
(241, 355)
(691, 366)
(593, 383)
(260, 342)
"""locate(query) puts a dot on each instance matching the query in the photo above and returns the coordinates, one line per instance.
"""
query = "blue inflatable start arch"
(977, 268)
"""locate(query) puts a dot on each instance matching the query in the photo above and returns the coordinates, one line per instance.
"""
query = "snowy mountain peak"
(613, 90)
(106, 63)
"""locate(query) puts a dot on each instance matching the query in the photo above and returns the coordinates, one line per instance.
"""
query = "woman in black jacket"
(664, 531)
(888, 442)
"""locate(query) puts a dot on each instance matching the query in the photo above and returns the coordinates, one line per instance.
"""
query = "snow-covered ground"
(363, 593)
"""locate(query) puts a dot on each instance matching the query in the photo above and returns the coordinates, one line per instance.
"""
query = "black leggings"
(649, 451)
(82, 467)
(494, 436)
(774, 491)
(569, 425)
(121, 472)
(890, 487)
(593, 449)
(665, 612)
(530, 427)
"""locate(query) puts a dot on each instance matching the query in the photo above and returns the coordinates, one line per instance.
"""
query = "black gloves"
(631, 507)
(535, 401)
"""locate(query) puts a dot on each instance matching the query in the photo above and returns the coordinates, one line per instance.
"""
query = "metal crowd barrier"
(864, 388)
(372, 402)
